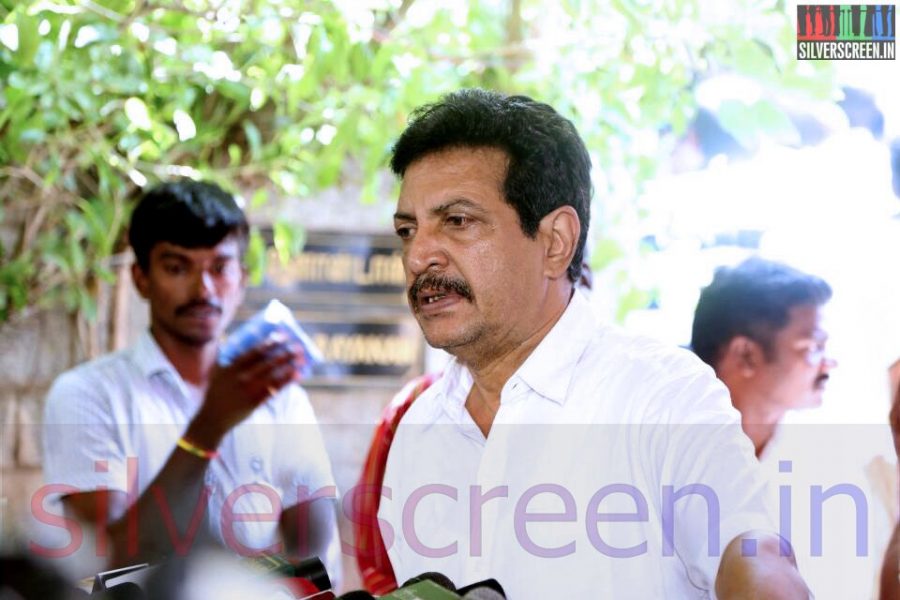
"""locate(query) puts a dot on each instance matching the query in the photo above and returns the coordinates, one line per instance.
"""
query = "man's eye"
(404, 233)
(457, 220)
(173, 269)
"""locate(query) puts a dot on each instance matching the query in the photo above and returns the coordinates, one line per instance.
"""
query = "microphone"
(127, 590)
(487, 590)
(433, 576)
(484, 593)
(422, 590)
(304, 578)
(436, 586)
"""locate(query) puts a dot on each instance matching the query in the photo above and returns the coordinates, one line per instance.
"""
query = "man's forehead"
(457, 173)
(808, 319)
(228, 247)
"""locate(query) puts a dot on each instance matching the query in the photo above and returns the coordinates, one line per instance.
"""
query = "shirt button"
(256, 464)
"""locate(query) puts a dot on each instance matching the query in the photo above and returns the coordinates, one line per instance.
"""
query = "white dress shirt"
(530, 505)
(112, 424)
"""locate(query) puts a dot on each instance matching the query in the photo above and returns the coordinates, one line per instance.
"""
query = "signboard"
(347, 291)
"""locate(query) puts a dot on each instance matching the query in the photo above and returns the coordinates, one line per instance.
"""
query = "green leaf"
(29, 38)
(259, 198)
(288, 239)
(234, 91)
(86, 305)
(255, 257)
(605, 253)
(254, 139)
(234, 155)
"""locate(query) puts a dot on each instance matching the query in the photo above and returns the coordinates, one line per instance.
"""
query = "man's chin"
(815, 399)
(448, 341)
(198, 339)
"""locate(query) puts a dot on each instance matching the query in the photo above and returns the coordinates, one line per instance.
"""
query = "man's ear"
(141, 282)
(745, 354)
(559, 230)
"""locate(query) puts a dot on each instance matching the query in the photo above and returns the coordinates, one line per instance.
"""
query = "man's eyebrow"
(172, 255)
(455, 203)
(442, 209)
(402, 216)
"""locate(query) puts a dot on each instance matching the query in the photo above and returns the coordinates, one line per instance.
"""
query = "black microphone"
(438, 578)
(491, 587)
(127, 590)
(484, 593)
(313, 570)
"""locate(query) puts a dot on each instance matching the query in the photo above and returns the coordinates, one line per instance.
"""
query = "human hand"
(238, 389)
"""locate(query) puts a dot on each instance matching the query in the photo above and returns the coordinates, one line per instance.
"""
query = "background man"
(759, 326)
(165, 447)
(494, 466)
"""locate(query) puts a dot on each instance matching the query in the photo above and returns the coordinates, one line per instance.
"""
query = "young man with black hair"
(759, 326)
(561, 456)
(162, 447)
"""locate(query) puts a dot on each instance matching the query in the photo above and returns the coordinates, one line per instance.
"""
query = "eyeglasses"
(813, 350)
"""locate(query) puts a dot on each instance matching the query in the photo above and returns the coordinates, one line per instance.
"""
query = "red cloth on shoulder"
(371, 553)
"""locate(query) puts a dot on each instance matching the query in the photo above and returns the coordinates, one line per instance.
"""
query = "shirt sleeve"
(82, 445)
(713, 487)
(306, 468)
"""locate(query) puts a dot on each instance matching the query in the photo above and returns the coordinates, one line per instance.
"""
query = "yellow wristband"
(197, 450)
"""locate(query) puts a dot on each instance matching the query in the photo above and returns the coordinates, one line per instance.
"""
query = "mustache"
(821, 379)
(438, 283)
(185, 308)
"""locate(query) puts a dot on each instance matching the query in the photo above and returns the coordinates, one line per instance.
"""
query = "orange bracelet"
(196, 450)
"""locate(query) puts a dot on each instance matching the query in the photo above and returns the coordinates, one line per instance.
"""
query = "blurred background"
(710, 143)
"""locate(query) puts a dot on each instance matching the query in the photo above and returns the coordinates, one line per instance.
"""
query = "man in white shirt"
(163, 449)
(760, 326)
(565, 458)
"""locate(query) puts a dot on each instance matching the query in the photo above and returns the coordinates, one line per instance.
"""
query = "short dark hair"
(549, 166)
(188, 213)
(752, 299)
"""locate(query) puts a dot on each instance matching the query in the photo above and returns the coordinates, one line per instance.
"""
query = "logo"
(846, 32)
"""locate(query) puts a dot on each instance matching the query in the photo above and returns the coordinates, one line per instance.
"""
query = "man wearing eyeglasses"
(759, 326)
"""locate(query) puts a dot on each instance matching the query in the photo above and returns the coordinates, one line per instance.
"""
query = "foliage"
(286, 97)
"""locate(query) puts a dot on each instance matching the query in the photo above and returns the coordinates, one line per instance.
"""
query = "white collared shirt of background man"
(119, 417)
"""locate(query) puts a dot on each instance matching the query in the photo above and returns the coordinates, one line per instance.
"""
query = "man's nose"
(423, 252)
(204, 284)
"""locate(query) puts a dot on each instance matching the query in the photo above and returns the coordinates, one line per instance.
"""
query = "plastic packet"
(274, 318)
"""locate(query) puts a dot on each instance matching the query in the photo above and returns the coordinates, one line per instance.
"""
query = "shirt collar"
(550, 367)
(548, 370)
(453, 388)
(149, 357)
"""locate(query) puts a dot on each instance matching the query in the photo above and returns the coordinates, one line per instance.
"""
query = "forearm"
(767, 575)
(167, 516)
